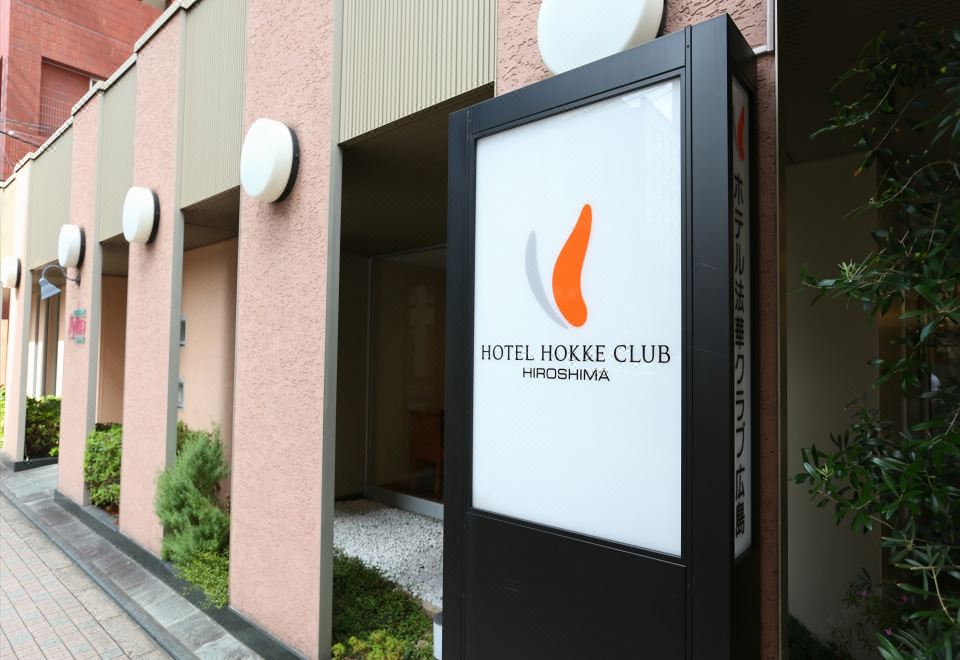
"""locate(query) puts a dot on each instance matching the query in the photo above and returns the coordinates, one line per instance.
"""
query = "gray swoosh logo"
(533, 277)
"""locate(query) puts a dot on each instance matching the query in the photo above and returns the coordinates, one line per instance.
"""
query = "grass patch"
(210, 573)
(373, 618)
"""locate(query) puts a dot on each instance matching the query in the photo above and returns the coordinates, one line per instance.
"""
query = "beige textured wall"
(403, 57)
(352, 374)
(79, 360)
(32, 330)
(153, 290)
(113, 337)
(51, 328)
(209, 305)
(519, 64)
(828, 347)
(49, 199)
(282, 497)
(20, 304)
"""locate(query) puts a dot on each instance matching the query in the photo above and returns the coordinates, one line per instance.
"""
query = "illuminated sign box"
(599, 492)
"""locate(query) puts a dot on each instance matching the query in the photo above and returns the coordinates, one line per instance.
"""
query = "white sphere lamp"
(571, 33)
(70, 246)
(141, 215)
(269, 160)
(10, 272)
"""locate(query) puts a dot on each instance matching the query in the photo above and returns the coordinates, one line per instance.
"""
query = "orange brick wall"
(87, 37)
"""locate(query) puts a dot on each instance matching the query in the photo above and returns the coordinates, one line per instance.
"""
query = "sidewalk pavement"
(176, 625)
(49, 608)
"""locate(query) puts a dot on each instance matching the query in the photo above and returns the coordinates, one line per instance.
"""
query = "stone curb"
(235, 624)
(163, 638)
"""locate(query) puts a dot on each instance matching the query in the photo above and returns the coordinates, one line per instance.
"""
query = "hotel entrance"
(392, 315)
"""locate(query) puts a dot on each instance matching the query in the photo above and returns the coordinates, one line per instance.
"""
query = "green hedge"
(209, 572)
(101, 465)
(42, 434)
(373, 618)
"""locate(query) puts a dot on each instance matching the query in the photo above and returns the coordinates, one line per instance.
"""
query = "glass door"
(406, 379)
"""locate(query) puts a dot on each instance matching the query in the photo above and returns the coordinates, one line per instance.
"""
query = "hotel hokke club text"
(575, 360)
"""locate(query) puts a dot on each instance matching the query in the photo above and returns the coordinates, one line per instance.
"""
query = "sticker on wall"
(77, 330)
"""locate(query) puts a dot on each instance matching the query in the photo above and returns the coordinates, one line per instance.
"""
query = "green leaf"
(929, 293)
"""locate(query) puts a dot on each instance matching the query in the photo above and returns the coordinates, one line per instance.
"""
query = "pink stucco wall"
(277, 540)
(21, 299)
(519, 64)
(152, 292)
(79, 368)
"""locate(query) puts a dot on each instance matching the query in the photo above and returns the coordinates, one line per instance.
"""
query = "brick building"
(50, 51)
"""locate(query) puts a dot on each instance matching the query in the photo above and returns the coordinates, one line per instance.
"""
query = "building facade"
(310, 330)
(50, 55)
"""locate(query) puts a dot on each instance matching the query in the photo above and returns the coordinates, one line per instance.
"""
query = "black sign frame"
(514, 589)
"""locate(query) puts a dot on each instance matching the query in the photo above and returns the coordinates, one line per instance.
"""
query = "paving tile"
(43, 592)
(171, 609)
(150, 592)
(223, 648)
(97, 603)
(124, 572)
(128, 635)
(196, 630)
(48, 606)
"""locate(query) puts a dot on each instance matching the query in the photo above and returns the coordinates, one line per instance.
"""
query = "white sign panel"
(740, 264)
(577, 412)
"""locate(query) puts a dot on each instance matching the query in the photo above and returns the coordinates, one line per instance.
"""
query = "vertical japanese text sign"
(740, 265)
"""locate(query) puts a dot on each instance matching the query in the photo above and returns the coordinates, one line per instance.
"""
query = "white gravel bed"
(406, 546)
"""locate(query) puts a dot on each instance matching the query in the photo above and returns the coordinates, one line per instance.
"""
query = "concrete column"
(519, 64)
(153, 291)
(283, 467)
(20, 304)
(78, 403)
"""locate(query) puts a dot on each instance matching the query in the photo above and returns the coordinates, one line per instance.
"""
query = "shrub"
(101, 465)
(379, 645)
(900, 105)
(185, 433)
(186, 501)
(209, 572)
(375, 619)
(42, 426)
(805, 646)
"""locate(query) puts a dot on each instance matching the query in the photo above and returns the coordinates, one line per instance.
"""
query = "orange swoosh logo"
(568, 269)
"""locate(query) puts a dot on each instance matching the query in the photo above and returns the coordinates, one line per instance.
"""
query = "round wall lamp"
(71, 246)
(141, 215)
(10, 272)
(269, 160)
(571, 33)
